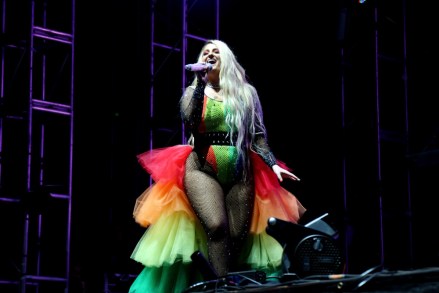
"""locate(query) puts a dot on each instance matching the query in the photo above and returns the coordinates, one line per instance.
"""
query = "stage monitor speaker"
(307, 251)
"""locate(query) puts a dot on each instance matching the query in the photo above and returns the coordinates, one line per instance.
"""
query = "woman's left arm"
(263, 150)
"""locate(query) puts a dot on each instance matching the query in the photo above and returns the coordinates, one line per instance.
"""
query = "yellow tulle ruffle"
(173, 238)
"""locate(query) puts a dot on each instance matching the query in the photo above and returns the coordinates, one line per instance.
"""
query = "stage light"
(309, 249)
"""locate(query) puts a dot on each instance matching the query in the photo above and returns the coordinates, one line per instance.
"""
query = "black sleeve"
(192, 105)
(263, 150)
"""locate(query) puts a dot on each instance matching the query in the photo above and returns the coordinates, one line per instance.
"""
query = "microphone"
(199, 67)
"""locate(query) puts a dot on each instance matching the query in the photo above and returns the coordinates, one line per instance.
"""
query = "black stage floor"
(420, 280)
(425, 280)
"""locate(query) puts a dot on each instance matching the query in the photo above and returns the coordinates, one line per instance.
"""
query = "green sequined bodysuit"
(220, 157)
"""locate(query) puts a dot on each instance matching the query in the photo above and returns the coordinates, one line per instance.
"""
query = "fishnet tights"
(224, 213)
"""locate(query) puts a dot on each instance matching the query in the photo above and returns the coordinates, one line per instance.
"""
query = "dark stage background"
(313, 63)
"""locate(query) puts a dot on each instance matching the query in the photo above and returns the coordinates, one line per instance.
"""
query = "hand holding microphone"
(201, 69)
(201, 66)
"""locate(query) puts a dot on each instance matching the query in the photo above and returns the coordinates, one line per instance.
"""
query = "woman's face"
(211, 54)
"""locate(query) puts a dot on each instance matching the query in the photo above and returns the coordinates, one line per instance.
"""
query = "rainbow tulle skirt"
(173, 232)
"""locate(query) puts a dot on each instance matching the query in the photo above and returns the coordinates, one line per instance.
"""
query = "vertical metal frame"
(381, 134)
(33, 277)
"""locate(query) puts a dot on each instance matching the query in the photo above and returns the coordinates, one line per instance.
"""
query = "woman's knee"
(217, 230)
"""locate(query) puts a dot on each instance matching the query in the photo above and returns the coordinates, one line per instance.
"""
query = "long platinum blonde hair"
(244, 115)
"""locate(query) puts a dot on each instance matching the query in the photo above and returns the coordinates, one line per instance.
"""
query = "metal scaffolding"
(36, 142)
(374, 101)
